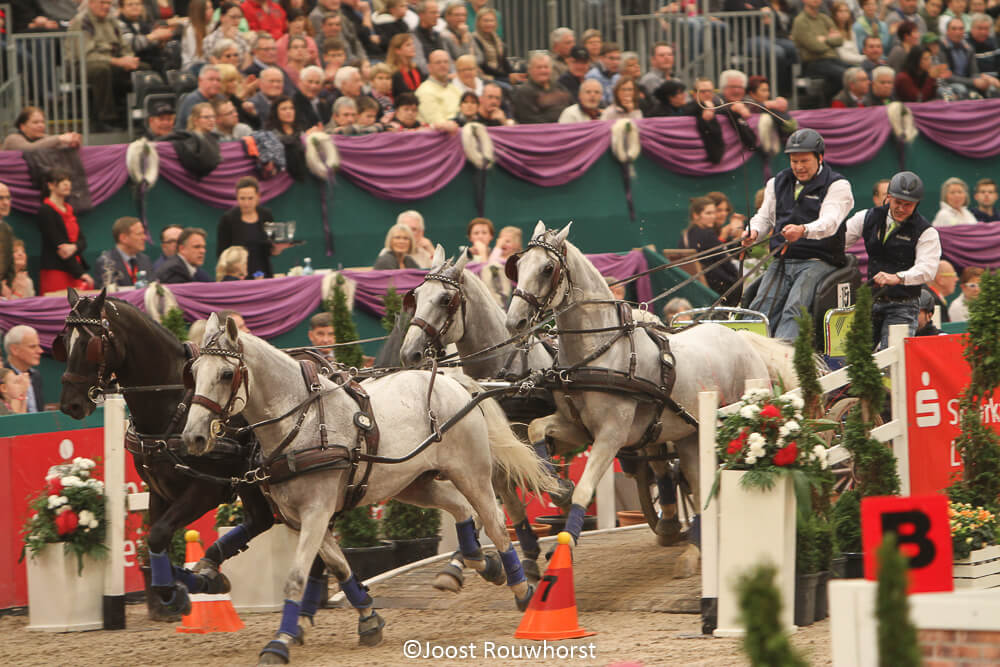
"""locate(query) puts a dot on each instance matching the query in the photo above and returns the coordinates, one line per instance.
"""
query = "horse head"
(220, 381)
(539, 271)
(92, 349)
(438, 309)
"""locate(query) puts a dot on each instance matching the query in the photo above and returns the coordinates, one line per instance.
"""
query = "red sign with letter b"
(922, 531)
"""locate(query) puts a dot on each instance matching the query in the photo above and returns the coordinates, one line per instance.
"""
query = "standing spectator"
(406, 117)
(538, 100)
(265, 55)
(399, 245)
(243, 225)
(232, 264)
(605, 71)
(298, 26)
(904, 10)
(121, 265)
(438, 98)
(406, 76)
(193, 52)
(168, 244)
(961, 59)
(490, 109)
(907, 36)
(283, 123)
(109, 60)
(816, 37)
(661, 68)
(578, 66)
(872, 52)
(321, 333)
(345, 114)
(428, 39)
(956, 10)
(943, 286)
(331, 30)
(672, 100)
(24, 353)
(986, 199)
(625, 104)
(30, 134)
(880, 191)
(145, 35)
(474, 8)
(489, 49)
(984, 43)
(185, 266)
(311, 110)
(856, 88)
(382, 90)
(593, 42)
(468, 110)
(20, 286)
(209, 87)
(562, 42)
(457, 35)
(423, 250)
(958, 311)
(465, 75)
(390, 23)
(63, 241)
(848, 52)
(265, 15)
(917, 82)
(869, 25)
(588, 106)
(785, 55)
(727, 225)
(269, 88)
(883, 81)
(954, 205)
(227, 122)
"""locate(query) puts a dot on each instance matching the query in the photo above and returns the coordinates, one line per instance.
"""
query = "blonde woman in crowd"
(954, 205)
(399, 246)
(232, 264)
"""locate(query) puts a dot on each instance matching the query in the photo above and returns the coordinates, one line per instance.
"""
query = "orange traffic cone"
(552, 612)
(209, 613)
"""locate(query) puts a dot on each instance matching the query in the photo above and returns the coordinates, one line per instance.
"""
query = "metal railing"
(9, 102)
(51, 73)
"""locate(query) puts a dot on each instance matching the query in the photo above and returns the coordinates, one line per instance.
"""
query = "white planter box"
(755, 527)
(980, 570)
(258, 574)
(58, 599)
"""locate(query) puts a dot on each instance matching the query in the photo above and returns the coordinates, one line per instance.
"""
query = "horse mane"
(154, 327)
(584, 264)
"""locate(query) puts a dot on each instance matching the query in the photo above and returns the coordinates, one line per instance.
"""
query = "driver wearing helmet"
(803, 205)
(903, 253)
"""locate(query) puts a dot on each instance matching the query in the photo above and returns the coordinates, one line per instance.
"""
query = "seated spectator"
(232, 264)
(209, 87)
(406, 117)
(733, 84)
(168, 244)
(509, 242)
(438, 98)
(297, 59)
(931, 14)
(311, 110)
(244, 225)
(883, 82)
(468, 110)
(228, 30)
(703, 109)
(956, 9)
(456, 34)
(238, 92)
(185, 266)
(146, 35)
(870, 25)
(759, 92)
(490, 106)
(904, 10)
(24, 353)
(907, 37)
(986, 199)
(428, 38)
(224, 52)
(423, 253)
(399, 243)
(631, 68)
(984, 43)
(856, 88)
(925, 316)
(121, 265)
(817, 38)
(671, 99)
(917, 82)
(676, 305)
(848, 52)
(265, 15)
(958, 311)
(13, 392)
(762, 47)
(109, 60)
(332, 30)
(538, 100)
(943, 286)
(965, 75)
(700, 235)
(479, 231)
(872, 51)
(298, 26)
(31, 17)
(30, 133)
(193, 52)
(406, 76)
(382, 90)
(466, 79)
(63, 241)
(21, 286)
(334, 57)
(390, 23)
(625, 103)
(368, 113)
(606, 71)
(348, 83)
(237, 319)
(880, 191)
(954, 205)
(593, 42)
(321, 333)
(345, 114)
(265, 55)
(202, 119)
(728, 225)
(561, 42)
(578, 64)
(489, 49)
(269, 88)
(227, 122)
(661, 68)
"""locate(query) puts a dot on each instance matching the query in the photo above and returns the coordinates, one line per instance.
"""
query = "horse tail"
(778, 356)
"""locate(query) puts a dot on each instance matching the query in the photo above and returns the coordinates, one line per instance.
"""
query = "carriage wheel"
(841, 464)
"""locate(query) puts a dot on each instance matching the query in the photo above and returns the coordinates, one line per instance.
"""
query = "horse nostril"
(521, 324)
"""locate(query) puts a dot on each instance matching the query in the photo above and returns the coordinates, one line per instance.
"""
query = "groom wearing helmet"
(803, 205)
(903, 253)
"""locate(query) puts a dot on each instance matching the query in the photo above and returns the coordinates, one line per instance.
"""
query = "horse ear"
(439, 257)
(232, 331)
(563, 233)
(72, 297)
(463, 259)
(99, 300)
(539, 230)
(212, 324)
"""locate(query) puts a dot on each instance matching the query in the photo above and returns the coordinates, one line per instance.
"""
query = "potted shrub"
(974, 537)
(824, 552)
(68, 511)
(155, 610)
(366, 553)
(413, 530)
(806, 569)
(846, 524)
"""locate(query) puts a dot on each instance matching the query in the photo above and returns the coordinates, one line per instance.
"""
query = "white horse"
(553, 273)
(237, 369)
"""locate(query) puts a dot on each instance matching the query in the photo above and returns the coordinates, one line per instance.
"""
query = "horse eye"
(227, 375)
(548, 269)
(445, 299)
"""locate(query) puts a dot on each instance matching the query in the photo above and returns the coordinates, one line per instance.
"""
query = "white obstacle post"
(897, 400)
(114, 512)
(708, 406)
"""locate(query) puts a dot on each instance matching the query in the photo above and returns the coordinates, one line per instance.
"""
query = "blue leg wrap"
(542, 450)
(230, 544)
(194, 583)
(162, 570)
(574, 522)
(356, 594)
(290, 619)
(468, 541)
(512, 566)
(694, 533)
(667, 489)
(312, 597)
(528, 539)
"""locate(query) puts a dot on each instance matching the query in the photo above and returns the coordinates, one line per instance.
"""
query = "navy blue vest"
(897, 253)
(791, 211)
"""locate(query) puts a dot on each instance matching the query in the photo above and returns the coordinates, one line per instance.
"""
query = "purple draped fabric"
(971, 129)
(674, 143)
(852, 136)
(540, 155)
(272, 307)
(401, 166)
(965, 245)
(218, 189)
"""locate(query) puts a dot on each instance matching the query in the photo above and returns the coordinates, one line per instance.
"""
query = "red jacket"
(907, 89)
(265, 15)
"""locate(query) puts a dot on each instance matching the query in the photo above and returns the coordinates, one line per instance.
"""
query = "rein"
(435, 344)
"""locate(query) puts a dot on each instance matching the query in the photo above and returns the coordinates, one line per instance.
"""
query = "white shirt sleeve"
(762, 221)
(854, 226)
(837, 203)
(925, 265)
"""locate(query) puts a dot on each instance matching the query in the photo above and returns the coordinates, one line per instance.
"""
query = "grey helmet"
(906, 186)
(805, 141)
(926, 301)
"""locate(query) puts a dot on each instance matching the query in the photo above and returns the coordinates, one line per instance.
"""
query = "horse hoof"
(370, 629)
(449, 579)
(688, 562)
(214, 582)
(179, 602)
(522, 603)
(668, 532)
(531, 572)
(493, 572)
(563, 496)
(275, 653)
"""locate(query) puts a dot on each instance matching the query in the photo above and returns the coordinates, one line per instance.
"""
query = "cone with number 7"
(552, 612)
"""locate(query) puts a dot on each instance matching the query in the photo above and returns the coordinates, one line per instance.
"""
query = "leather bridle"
(456, 303)
(98, 346)
(560, 270)
(241, 376)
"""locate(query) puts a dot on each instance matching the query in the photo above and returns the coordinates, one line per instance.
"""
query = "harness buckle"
(96, 395)
(564, 376)
(218, 428)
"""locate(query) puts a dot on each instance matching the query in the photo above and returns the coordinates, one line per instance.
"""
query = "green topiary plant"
(845, 522)
(343, 327)
(807, 556)
(408, 522)
(897, 636)
(357, 528)
(765, 643)
(393, 304)
(866, 379)
(174, 322)
(805, 368)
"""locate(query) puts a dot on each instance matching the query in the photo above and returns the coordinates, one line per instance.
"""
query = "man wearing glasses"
(943, 286)
(168, 244)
